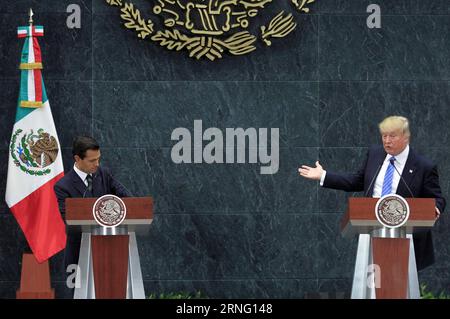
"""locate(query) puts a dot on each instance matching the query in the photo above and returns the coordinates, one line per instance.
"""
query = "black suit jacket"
(103, 183)
(422, 178)
(71, 185)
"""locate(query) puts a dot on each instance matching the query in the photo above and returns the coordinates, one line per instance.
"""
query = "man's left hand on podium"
(438, 213)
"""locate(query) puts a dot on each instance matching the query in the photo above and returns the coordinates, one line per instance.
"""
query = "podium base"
(86, 287)
(365, 266)
(35, 279)
(35, 295)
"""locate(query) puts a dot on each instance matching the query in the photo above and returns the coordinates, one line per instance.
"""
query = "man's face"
(394, 142)
(89, 163)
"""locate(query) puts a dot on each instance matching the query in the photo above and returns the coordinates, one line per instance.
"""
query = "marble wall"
(224, 229)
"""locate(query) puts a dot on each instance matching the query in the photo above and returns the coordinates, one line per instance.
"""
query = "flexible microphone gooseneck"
(373, 179)
(404, 182)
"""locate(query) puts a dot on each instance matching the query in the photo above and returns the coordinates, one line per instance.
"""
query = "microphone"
(373, 180)
(404, 182)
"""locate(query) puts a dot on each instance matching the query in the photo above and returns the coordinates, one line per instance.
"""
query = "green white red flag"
(35, 161)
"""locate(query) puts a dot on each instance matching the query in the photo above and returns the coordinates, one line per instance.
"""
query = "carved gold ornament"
(208, 28)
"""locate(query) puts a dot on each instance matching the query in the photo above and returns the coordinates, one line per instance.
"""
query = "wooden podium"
(108, 264)
(385, 266)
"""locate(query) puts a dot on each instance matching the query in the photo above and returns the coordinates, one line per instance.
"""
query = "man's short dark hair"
(81, 144)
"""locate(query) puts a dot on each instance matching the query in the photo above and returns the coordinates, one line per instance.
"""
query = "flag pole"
(35, 282)
(31, 17)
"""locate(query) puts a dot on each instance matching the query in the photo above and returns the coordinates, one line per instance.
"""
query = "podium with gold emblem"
(385, 266)
(109, 265)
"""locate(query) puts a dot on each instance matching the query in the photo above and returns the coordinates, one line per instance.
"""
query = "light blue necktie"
(387, 183)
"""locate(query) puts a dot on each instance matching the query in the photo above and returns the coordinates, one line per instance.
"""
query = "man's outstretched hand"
(314, 173)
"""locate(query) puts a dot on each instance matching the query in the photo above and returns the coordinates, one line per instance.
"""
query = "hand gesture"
(314, 173)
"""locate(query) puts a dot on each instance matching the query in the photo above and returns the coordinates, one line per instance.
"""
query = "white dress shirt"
(400, 161)
(80, 173)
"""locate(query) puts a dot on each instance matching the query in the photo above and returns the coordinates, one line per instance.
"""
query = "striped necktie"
(387, 183)
(89, 182)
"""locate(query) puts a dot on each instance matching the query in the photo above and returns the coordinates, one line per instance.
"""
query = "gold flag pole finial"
(31, 17)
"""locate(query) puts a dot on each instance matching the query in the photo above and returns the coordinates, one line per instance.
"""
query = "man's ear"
(408, 138)
(77, 158)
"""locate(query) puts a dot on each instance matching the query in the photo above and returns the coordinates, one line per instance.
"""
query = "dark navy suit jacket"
(422, 178)
(71, 185)
(103, 183)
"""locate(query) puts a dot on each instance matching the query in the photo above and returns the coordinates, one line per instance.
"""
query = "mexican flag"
(35, 161)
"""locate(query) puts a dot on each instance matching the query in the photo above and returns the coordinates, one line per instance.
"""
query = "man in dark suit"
(86, 179)
(380, 175)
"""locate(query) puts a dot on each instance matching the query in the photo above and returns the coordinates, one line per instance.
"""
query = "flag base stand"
(35, 279)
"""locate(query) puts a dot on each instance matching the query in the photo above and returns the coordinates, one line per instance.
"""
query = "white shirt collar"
(80, 173)
(400, 158)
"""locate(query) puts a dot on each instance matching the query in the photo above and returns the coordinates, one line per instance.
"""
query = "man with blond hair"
(380, 175)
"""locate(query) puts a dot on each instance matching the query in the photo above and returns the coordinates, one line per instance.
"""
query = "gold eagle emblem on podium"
(210, 28)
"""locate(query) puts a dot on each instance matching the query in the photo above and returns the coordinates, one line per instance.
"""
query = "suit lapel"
(77, 182)
(408, 174)
(97, 184)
